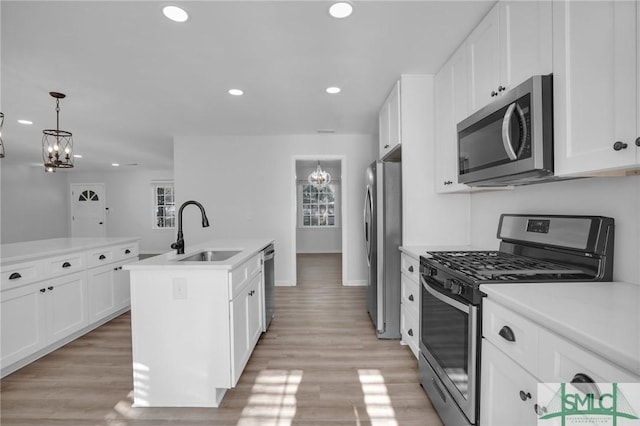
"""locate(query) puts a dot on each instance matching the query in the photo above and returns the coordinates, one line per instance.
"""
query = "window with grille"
(164, 206)
(318, 206)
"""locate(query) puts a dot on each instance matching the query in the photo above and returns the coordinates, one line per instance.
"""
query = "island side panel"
(180, 335)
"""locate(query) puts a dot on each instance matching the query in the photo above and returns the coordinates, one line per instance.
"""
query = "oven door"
(449, 339)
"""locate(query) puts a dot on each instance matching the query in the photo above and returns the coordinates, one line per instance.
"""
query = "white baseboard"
(282, 283)
(355, 283)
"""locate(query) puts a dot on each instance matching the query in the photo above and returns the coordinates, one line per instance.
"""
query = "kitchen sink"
(211, 256)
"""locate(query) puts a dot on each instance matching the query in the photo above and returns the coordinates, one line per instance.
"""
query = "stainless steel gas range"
(533, 248)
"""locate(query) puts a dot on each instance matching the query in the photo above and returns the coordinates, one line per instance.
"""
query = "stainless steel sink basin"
(211, 256)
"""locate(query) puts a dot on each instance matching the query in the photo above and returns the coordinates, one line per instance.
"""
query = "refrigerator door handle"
(367, 213)
(380, 285)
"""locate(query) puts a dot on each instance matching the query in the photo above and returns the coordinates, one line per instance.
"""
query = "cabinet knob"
(638, 141)
(507, 334)
(501, 88)
(525, 395)
(66, 265)
(410, 332)
(42, 290)
(494, 93)
(539, 409)
(619, 145)
(50, 288)
(386, 146)
(411, 297)
(447, 182)
(411, 268)
(15, 276)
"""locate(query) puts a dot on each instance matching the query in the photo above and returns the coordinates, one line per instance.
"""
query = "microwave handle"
(506, 137)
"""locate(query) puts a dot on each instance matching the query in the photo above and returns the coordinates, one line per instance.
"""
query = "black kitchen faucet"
(179, 244)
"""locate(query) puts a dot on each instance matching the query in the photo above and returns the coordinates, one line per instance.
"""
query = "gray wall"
(247, 185)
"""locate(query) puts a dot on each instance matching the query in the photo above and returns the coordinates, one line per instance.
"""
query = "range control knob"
(456, 287)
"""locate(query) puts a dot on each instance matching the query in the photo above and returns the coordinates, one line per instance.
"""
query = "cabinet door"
(525, 41)
(101, 292)
(508, 393)
(240, 333)
(23, 322)
(451, 96)
(389, 122)
(484, 61)
(594, 80)
(255, 311)
(121, 287)
(383, 129)
(66, 306)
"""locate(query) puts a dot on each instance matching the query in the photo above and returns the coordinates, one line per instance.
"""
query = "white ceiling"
(134, 79)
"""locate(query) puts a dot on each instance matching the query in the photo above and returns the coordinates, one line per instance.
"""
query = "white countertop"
(171, 260)
(603, 317)
(30, 250)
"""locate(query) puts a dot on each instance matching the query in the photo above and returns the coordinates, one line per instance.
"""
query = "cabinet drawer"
(240, 276)
(20, 273)
(101, 256)
(62, 265)
(409, 327)
(560, 360)
(125, 251)
(524, 347)
(410, 293)
(410, 266)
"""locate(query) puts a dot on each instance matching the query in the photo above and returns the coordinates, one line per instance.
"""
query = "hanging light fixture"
(57, 145)
(319, 178)
(1, 143)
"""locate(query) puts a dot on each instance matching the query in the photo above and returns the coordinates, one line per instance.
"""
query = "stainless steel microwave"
(510, 141)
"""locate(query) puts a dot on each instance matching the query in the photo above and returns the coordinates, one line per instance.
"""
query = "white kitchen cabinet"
(595, 87)
(511, 43)
(247, 325)
(121, 287)
(452, 101)
(101, 292)
(40, 314)
(389, 121)
(410, 302)
(509, 392)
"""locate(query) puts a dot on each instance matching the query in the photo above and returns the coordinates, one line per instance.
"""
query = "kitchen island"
(195, 322)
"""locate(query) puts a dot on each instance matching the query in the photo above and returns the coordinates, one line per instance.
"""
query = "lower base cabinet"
(108, 290)
(246, 325)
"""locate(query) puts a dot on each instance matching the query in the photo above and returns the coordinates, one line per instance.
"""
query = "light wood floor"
(319, 364)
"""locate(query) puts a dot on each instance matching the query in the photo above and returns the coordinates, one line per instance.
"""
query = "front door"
(87, 210)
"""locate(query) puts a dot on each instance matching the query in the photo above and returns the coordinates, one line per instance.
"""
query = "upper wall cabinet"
(389, 122)
(512, 43)
(451, 99)
(596, 87)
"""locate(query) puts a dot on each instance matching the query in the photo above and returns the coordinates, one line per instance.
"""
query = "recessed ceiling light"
(115, 164)
(175, 13)
(77, 156)
(28, 122)
(236, 92)
(333, 90)
(341, 9)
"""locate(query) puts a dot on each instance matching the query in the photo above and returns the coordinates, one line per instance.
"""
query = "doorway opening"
(319, 225)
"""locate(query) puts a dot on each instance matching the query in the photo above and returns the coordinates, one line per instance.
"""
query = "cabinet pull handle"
(102, 257)
(638, 141)
(411, 297)
(586, 385)
(620, 145)
(127, 251)
(411, 268)
(15, 276)
(50, 288)
(525, 395)
(42, 290)
(507, 334)
(410, 332)
(66, 265)
(539, 409)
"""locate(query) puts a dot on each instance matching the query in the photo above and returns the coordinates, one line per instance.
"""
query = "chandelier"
(1, 143)
(319, 178)
(57, 145)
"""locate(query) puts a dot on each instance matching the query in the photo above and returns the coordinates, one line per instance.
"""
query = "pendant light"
(57, 145)
(1, 143)
(319, 178)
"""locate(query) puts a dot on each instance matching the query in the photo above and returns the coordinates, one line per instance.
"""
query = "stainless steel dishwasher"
(269, 284)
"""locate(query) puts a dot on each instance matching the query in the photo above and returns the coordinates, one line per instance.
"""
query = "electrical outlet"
(179, 288)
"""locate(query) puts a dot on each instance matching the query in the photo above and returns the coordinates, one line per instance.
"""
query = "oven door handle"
(442, 297)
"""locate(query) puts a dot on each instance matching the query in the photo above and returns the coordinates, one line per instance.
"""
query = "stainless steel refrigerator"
(383, 237)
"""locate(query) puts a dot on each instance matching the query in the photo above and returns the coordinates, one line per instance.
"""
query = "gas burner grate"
(500, 266)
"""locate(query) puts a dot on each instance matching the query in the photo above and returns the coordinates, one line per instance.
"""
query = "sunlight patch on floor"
(376, 398)
(273, 399)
